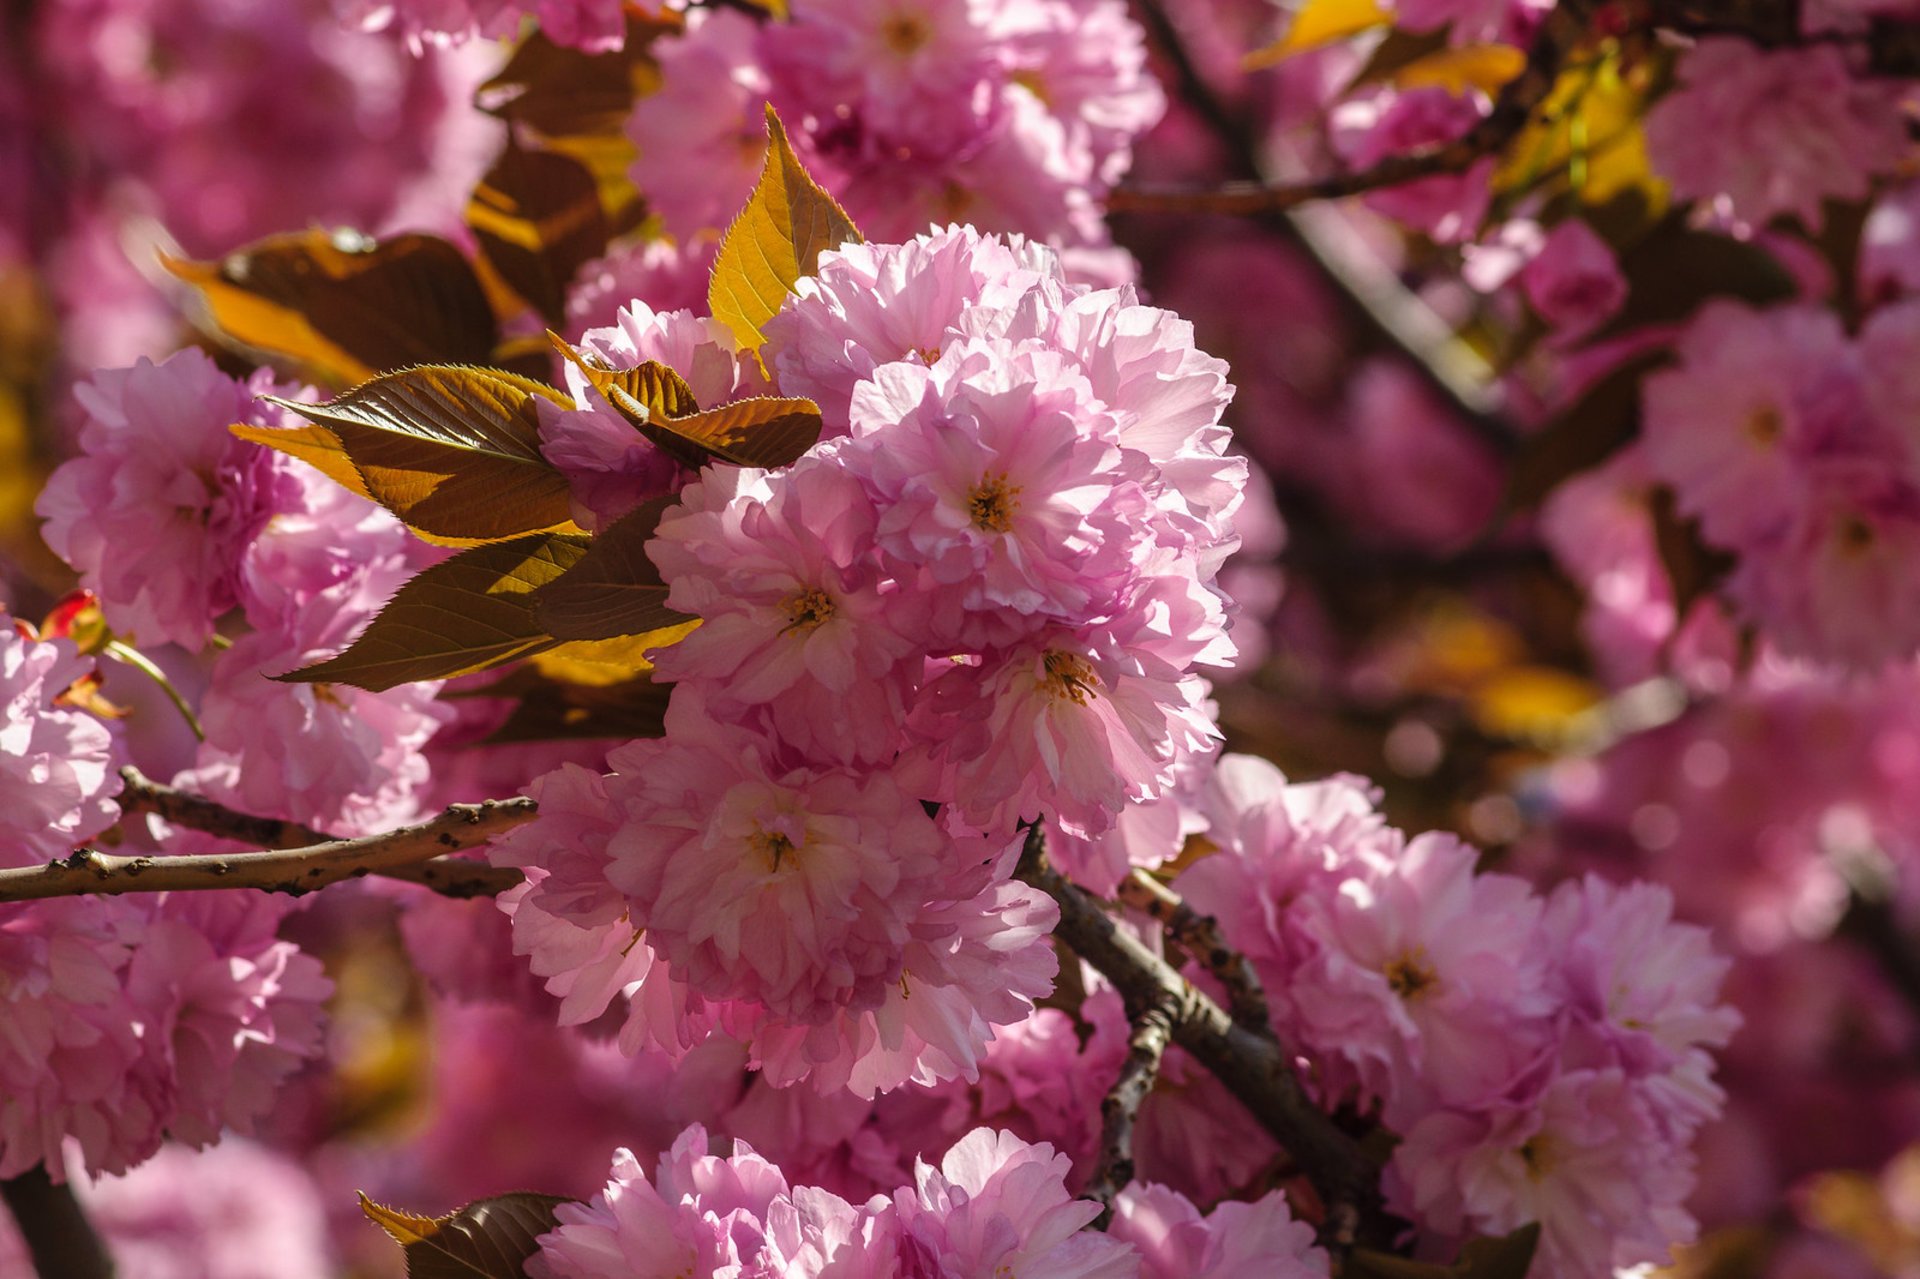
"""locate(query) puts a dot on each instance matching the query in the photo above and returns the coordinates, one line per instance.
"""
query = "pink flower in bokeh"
(1755, 397)
(1766, 131)
(1574, 282)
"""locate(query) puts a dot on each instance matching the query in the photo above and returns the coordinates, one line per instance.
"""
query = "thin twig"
(1199, 935)
(448, 876)
(1152, 1032)
(295, 870)
(1563, 29)
(1252, 1068)
(59, 1238)
(1389, 315)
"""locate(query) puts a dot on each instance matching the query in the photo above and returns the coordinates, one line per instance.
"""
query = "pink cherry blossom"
(1586, 1160)
(1755, 397)
(158, 509)
(997, 1205)
(1176, 1242)
(56, 763)
(69, 1039)
(1757, 132)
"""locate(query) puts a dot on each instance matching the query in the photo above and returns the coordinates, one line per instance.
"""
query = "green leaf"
(538, 220)
(487, 1239)
(465, 614)
(454, 452)
(763, 431)
(778, 238)
(1507, 1257)
(640, 394)
(615, 589)
(344, 307)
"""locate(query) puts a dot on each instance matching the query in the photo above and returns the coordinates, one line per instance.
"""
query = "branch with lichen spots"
(1199, 935)
(1146, 1046)
(448, 876)
(415, 853)
(1252, 1067)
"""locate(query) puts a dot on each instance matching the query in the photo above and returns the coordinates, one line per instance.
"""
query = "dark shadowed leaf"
(538, 219)
(551, 710)
(1693, 568)
(1507, 1257)
(487, 1239)
(559, 91)
(764, 431)
(789, 220)
(1674, 268)
(343, 307)
(453, 452)
(615, 589)
(465, 614)
(640, 394)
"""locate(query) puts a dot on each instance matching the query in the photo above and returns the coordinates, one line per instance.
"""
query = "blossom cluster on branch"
(864, 583)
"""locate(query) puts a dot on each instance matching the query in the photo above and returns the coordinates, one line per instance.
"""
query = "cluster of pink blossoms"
(128, 1019)
(133, 1018)
(979, 600)
(183, 530)
(1010, 115)
(1793, 444)
(1541, 1059)
(994, 1205)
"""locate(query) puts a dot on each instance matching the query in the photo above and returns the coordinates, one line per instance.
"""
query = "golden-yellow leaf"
(313, 444)
(1587, 133)
(454, 452)
(777, 239)
(1318, 23)
(1485, 67)
(345, 307)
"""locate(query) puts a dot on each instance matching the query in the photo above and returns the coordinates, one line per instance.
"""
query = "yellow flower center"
(993, 503)
(1765, 425)
(1537, 1155)
(1070, 677)
(808, 609)
(772, 845)
(1410, 977)
(906, 33)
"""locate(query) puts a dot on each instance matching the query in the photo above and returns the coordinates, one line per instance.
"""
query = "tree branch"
(448, 876)
(402, 853)
(1389, 315)
(1565, 27)
(1252, 1067)
(1152, 1032)
(1199, 935)
(60, 1239)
